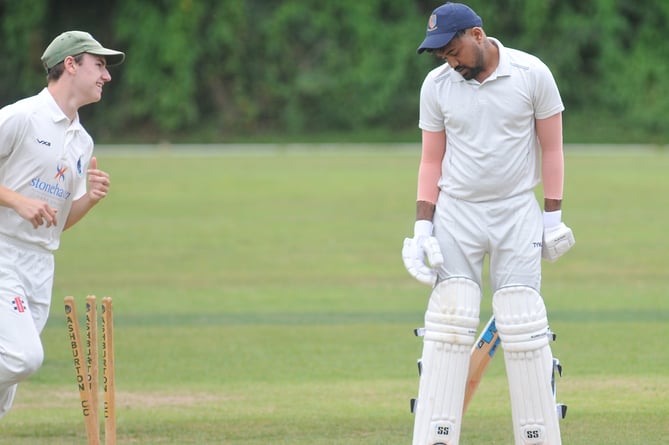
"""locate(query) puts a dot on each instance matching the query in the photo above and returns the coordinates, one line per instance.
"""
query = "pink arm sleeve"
(549, 132)
(429, 171)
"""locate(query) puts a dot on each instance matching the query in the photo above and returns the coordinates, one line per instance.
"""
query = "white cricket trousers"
(26, 281)
(510, 230)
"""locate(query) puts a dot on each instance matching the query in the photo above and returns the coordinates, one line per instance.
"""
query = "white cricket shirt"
(42, 156)
(492, 150)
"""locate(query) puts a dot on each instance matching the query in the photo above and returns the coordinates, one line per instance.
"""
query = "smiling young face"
(89, 77)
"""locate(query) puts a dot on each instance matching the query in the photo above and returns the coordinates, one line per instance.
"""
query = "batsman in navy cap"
(491, 133)
(445, 22)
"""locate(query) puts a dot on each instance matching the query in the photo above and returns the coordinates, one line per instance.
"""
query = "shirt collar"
(55, 112)
(504, 64)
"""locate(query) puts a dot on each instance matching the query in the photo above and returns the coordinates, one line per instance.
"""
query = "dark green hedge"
(215, 70)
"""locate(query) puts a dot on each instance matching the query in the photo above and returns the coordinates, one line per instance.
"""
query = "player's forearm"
(79, 209)
(424, 210)
(8, 197)
(429, 172)
(551, 205)
(549, 132)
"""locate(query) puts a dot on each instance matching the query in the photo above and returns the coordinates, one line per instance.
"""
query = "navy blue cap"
(445, 22)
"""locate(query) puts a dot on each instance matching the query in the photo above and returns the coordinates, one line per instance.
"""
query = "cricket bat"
(482, 353)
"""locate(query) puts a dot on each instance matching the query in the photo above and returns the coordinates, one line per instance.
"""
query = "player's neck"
(490, 60)
(64, 99)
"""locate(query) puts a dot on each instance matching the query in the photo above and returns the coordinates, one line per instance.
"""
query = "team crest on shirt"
(19, 305)
(432, 23)
(60, 173)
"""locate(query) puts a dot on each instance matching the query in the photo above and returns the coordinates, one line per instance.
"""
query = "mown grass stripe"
(352, 318)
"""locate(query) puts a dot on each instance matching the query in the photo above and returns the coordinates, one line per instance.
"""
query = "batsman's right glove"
(422, 254)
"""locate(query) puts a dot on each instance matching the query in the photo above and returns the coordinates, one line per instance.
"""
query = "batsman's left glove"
(557, 239)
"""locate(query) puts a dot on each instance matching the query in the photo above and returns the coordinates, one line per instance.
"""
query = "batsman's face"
(464, 54)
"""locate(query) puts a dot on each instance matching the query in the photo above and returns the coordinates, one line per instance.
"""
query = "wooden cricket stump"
(86, 366)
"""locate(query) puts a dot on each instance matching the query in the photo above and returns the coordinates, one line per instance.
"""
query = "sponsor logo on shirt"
(43, 142)
(54, 190)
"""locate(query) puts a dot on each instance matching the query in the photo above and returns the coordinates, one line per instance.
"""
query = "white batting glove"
(558, 238)
(422, 254)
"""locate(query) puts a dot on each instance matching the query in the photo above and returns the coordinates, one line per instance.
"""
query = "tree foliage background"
(221, 70)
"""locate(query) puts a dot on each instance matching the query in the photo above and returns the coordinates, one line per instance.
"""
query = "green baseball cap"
(71, 43)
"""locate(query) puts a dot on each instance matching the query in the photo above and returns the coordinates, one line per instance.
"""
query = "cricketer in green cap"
(50, 180)
(72, 43)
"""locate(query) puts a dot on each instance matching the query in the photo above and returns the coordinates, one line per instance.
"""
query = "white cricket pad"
(520, 316)
(451, 320)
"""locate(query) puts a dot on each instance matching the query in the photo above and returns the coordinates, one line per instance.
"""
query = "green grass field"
(260, 297)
